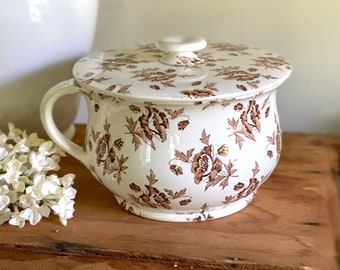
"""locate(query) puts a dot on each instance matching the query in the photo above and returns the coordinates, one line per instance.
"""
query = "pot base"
(186, 216)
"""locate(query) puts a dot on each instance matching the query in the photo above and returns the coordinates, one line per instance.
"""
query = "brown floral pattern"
(153, 123)
(251, 76)
(246, 123)
(206, 165)
(156, 75)
(274, 141)
(271, 62)
(151, 196)
(106, 152)
(96, 99)
(219, 65)
(121, 60)
(223, 102)
(209, 60)
(207, 91)
(246, 190)
(249, 121)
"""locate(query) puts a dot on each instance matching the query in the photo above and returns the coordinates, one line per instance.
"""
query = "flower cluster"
(27, 192)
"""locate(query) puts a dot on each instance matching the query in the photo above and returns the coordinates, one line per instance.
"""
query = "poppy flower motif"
(152, 124)
(206, 165)
(248, 124)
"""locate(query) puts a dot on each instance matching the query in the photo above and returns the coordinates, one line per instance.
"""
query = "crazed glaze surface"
(177, 149)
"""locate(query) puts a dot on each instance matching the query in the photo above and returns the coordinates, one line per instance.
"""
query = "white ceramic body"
(40, 41)
(176, 161)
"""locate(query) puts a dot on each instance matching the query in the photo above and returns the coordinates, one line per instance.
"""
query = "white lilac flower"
(69, 193)
(12, 168)
(64, 209)
(34, 141)
(5, 215)
(35, 213)
(67, 180)
(14, 133)
(4, 202)
(4, 189)
(27, 201)
(45, 186)
(48, 148)
(3, 151)
(13, 195)
(41, 163)
(3, 139)
(17, 220)
(26, 192)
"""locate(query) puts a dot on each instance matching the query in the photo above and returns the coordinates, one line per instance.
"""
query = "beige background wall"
(307, 32)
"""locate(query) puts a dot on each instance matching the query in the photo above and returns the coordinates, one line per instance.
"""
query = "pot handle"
(46, 115)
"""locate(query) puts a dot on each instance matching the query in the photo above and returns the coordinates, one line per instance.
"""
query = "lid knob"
(181, 50)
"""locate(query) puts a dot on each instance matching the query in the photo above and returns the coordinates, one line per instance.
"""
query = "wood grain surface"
(292, 224)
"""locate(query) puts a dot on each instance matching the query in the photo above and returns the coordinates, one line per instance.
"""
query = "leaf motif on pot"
(176, 169)
(185, 202)
(124, 89)
(266, 114)
(208, 59)
(134, 108)
(250, 76)
(198, 93)
(174, 113)
(222, 102)
(270, 153)
(238, 107)
(182, 124)
(241, 87)
(271, 62)
(204, 137)
(278, 135)
(106, 156)
(243, 190)
(195, 83)
(119, 61)
(207, 91)
(274, 141)
(165, 77)
(98, 80)
(155, 87)
(134, 187)
(238, 186)
(204, 206)
(184, 157)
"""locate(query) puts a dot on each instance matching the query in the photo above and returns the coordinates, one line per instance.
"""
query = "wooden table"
(292, 224)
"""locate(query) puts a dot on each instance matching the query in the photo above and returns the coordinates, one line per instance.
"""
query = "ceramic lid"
(182, 69)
